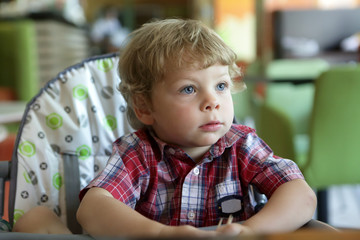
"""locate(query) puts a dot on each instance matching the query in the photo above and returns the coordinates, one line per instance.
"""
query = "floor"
(344, 204)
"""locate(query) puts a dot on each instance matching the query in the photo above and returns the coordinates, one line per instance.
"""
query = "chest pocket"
(228, 199)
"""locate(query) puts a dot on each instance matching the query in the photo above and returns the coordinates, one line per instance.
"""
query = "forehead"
(194, 71)
(188, 62)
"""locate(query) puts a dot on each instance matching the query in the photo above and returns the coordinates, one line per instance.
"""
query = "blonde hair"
(157, 45)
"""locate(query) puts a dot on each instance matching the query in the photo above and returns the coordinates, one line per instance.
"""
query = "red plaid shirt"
(163, 183)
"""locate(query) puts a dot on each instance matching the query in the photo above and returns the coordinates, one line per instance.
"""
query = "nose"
(210, 102)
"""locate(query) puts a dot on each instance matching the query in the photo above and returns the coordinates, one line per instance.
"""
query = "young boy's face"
(193, 108)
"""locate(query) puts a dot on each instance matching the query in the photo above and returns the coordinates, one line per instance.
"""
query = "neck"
(196, 153)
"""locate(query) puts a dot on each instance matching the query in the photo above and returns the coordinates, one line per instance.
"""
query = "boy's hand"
(234, 229)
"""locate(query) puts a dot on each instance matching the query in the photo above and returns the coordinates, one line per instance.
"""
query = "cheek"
(228, 103)
(173, 111)
(185, 116)
(179, 113)
(229, 110)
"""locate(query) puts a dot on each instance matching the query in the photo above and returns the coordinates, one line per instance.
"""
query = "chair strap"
(72, 188)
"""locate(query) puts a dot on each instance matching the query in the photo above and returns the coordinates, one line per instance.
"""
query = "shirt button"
(191, 215)
(196, 171)
(222, 190)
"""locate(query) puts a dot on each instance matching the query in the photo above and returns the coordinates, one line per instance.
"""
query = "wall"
(235, 21)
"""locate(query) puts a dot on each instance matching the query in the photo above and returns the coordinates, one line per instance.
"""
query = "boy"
(187, 166)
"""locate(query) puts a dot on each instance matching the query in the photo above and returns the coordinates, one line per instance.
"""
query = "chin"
(211, 141)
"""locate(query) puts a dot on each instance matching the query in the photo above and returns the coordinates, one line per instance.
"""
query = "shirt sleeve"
(123, 175)
(265, 170)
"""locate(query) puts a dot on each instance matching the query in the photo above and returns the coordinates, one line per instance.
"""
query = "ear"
(143, 110)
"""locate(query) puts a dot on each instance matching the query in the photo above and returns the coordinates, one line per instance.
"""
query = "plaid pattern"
(163, 183)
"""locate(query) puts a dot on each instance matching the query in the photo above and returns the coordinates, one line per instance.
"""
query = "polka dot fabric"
(79, 112)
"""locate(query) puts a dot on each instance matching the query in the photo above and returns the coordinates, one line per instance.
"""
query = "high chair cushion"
(80, 113)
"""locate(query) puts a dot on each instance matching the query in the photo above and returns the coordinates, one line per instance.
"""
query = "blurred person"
(107, 33)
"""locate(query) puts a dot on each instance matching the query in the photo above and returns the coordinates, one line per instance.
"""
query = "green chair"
(288, 95)
(283, 119)
(333, 157)
(332, 119)
(277, 130)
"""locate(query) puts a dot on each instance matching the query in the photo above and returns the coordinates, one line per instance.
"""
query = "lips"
(211, 126)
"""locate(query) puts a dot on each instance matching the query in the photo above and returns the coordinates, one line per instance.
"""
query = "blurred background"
(283, 47)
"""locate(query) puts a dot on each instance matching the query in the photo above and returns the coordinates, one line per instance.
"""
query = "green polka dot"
(17, 214)
(110, 122)
(57, 181)
(83, 152)
(27, 149)
(54, 121)
(105, 64)
(80, 92)
(26, 177)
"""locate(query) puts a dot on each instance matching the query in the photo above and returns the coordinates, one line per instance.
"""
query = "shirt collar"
(168, 149)
(228, 140)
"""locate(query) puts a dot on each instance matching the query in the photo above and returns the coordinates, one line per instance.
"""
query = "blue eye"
(188, 90)
(221, 86)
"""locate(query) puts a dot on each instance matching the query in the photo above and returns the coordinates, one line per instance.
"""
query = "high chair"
(66, 135)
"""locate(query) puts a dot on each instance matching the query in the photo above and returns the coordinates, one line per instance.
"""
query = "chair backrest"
(283, 119)
(66, 137)
(294, 100)
(293, 89)
(335, 129)
(275, 127)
